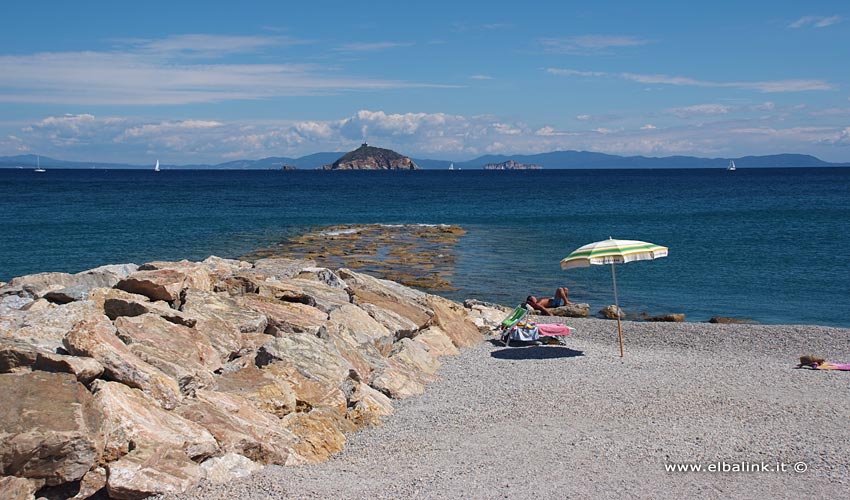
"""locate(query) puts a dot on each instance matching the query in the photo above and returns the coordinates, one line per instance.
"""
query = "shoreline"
(555, 422)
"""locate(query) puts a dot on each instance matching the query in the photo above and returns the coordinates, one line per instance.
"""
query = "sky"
(191, 82)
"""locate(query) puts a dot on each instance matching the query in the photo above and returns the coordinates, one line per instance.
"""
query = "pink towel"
(554, 329)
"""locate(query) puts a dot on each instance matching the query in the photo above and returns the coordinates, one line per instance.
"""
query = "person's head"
(531, 299)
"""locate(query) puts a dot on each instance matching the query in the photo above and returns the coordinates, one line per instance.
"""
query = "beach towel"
(826, 365)
(554, 329)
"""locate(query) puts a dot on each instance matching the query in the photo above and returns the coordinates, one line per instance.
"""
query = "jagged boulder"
(45, 328)
(135, 420)
(452, 319)
(228, 467)
(151, 471)
(408, 370)
(311, 293)
(571, 310)
(17, 488)
(284, 317)
(51, 430)
(316, 358)
(98, 339)
(221, 318)
(668, 318)
(611, 312)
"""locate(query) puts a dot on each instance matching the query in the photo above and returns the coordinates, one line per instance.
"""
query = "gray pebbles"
(554, 422)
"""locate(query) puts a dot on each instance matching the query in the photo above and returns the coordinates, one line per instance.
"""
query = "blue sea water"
(768, 244)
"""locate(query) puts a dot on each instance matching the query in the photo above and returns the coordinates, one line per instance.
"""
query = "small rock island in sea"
(371, 158)
(511, 165)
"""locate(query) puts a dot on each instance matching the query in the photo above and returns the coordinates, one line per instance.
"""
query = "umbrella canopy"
(612, 252)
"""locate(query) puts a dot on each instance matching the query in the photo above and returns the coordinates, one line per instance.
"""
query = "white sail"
(452, 166)
(731, 166)
(38, 164)
(156, 168)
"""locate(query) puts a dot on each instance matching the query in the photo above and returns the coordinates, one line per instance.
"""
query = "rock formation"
(152, 379)
(371, 158)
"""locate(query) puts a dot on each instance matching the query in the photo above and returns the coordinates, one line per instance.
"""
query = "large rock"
(97, 338)
(453, 320)
(368, 406)
(436, 342)
(37, 285)
(323, 275)
(397, 324)
(361, 327)
(228, 467)
(267, 392)
(220, 266)
(389, 295)
(285, 317)
(309, 393)
(408, 370)
(17, 488)
(571, 310)
(50, 427)
(611, 312)
(196, 274)
(240, 427)
(668, 318)
(167, 280)
(151, 471)
(131, 305)
(280, 268)
(224, 321)
(180, 352)
(318, 434)
(47, 327)
(311, 293)
(316, 358)
(134, 420)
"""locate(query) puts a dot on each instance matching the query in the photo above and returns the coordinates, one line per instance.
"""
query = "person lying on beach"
(820, 364)
(559, 300)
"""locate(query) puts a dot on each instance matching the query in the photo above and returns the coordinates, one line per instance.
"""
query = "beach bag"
(524, 332)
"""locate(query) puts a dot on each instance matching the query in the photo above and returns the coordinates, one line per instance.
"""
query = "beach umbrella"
(613, 252)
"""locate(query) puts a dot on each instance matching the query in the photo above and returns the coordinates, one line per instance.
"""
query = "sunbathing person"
(560, 299)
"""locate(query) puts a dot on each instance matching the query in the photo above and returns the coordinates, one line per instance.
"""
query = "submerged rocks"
(145, 380)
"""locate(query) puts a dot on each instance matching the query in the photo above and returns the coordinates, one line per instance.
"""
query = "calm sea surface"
(768, 244)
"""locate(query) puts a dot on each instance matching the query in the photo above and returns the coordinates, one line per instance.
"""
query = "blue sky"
(191, 82)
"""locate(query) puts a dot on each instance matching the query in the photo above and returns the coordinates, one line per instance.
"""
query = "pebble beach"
(574, 421)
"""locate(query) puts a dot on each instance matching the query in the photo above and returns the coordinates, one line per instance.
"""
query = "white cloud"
(158, 73)
(770, 86)
(816, 21)
(481, 77)
(422, 135)
(589, 44)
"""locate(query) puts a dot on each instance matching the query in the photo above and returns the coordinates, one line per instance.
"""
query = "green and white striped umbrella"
(613, 252)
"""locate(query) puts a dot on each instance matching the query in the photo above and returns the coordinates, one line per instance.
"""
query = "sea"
(769, 245)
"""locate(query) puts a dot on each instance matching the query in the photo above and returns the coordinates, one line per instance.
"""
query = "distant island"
(373, 158)
(511, 165)
(368, 157)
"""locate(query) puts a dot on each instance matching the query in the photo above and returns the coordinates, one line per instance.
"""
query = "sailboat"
(38, 164)
(731, 167)
(452, 166)
(156, 167)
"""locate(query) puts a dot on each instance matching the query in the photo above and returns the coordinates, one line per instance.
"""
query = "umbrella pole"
(617, 304)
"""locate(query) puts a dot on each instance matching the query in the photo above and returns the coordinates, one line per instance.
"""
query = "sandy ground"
(552, 422)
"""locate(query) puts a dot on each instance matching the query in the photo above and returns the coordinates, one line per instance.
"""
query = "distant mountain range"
(553, 160)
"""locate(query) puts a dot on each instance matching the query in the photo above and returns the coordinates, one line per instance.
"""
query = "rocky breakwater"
(126, 381)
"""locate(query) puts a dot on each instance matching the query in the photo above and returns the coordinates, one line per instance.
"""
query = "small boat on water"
(38, 165)
(156, 167)
(452, 166)
(731, 167)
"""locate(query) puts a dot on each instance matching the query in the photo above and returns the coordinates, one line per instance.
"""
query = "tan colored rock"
(100, 295)
(240, 427)
(50, 427)
(132, 416)
(408, 370)
(453, 320)
(281, 268)
(159, 284)
(571, 311)
(611, 312)
(437, 342)
(309, 393)
(285, 317)
(182, 353)
(668, 318)
(485, 317)
(17, 355)
(368, 406)
(397, 324)
(415, 313)
(323, 275)
(220, 266)
(311, 293)
(228, 326)
(228, 467)
(97, 338)
(269, 393)
(318, 434)
(91, 483)
(37, 285)
(17, 488)
(116, 307)
(316, 358)
(150, 471)
(384, 288)
(85, 369)
(196, 274)
(46, 328)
